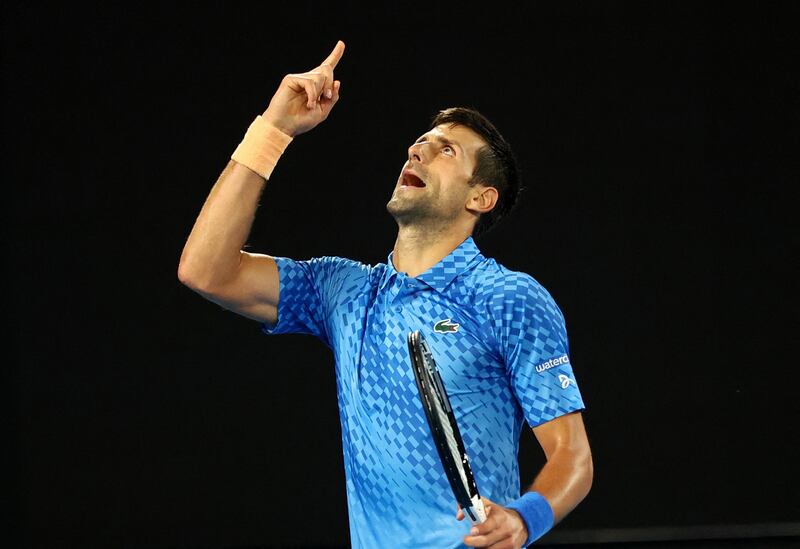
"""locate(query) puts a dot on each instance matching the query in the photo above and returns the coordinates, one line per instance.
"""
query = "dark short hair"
(495, 163)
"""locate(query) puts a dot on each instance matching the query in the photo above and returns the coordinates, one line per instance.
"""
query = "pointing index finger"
(333, 59)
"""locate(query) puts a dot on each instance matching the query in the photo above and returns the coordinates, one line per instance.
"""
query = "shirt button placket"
(398, 306)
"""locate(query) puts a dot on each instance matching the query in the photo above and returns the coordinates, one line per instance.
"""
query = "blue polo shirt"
(501, 346)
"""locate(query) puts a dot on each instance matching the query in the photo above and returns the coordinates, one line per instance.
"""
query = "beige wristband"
(262, 146)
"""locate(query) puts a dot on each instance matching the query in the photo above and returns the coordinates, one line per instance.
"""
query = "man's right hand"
(304, 100)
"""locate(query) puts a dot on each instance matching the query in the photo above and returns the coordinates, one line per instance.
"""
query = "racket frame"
(430, 385)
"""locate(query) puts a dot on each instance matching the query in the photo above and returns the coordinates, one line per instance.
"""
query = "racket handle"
(477, 510)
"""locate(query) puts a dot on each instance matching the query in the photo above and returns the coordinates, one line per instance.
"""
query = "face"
(433, 186)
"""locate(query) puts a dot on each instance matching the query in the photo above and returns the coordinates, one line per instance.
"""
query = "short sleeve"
(309, 292)
(533, 337)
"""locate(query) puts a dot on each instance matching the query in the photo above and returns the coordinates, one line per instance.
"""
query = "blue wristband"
(535, 512)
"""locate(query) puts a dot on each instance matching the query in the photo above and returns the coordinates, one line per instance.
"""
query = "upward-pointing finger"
(333, 59)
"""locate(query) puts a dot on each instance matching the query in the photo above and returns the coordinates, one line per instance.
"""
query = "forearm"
(561, 484)
(565, 480)
(213, 250)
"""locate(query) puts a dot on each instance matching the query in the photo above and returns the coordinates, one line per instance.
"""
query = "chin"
(395, 209)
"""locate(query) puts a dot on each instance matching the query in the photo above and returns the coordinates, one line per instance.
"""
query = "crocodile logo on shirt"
(445, 326)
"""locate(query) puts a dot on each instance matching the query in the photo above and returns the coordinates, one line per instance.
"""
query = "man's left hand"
(503, 529)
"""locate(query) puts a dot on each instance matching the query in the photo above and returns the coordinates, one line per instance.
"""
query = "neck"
(417, 249)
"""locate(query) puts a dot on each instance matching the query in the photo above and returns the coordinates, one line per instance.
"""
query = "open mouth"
(411, 180)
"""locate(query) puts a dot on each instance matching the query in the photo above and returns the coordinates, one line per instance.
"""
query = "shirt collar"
(442, 274)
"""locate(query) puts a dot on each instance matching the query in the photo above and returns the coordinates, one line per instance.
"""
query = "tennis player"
(498, 336)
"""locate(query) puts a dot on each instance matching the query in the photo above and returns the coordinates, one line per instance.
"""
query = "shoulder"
(497, 283)
(333, 269)
(520, 309)
(513, 299)
(324, 264)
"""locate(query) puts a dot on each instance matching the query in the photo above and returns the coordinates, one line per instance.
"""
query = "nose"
(416, 152)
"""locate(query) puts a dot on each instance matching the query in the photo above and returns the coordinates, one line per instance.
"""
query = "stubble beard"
(419, 213)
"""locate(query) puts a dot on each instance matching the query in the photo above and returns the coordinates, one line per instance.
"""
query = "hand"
(304, 100)
(503, 529)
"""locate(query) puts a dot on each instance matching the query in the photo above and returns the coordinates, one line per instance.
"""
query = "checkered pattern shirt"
(500, 343)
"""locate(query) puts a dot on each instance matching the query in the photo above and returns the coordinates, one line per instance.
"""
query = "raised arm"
(213, 263)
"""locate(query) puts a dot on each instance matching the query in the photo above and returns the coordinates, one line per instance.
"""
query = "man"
(498, 335)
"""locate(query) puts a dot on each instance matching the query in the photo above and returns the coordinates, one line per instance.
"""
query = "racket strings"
(442, 422)
(452, 445)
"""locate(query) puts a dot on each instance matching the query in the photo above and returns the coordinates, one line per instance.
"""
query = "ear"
(482, 200)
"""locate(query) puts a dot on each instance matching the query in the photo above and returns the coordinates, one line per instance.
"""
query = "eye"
(449, 150)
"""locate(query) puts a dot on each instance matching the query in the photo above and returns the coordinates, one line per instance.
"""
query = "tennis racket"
(443, 426)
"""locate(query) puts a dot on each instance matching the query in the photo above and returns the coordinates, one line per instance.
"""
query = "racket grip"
(477, 510)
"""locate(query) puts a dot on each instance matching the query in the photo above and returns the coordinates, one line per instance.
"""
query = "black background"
(658, 143)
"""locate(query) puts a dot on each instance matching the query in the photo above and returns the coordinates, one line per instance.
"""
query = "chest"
(458, 332)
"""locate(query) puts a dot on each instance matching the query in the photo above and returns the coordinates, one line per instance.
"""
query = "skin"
(564, 481)
(432, 222)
